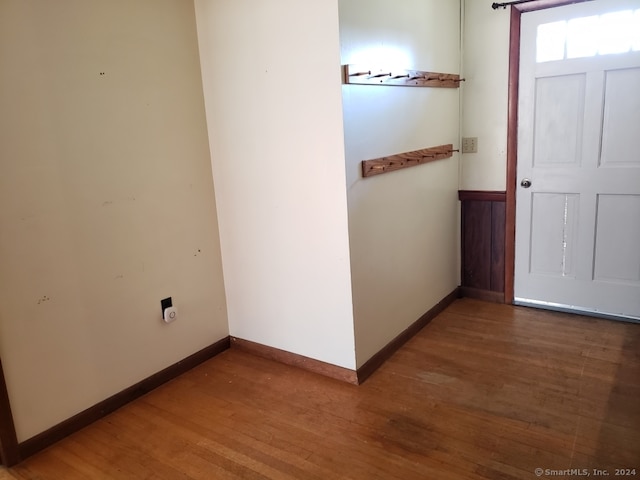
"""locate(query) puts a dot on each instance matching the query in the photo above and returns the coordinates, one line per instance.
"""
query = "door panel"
(578, 219)
(553, 233)
(620, 109)
(559, 113)
(617, 252)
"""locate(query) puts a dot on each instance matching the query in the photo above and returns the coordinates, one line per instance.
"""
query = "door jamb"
(9, 453)
(512, 133)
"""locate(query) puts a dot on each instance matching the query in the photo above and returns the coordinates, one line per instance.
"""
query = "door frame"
(9, 453)
(512, 133)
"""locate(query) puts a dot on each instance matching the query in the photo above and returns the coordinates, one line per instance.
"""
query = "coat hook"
(410, 78)
(380, 75)
(407, 159)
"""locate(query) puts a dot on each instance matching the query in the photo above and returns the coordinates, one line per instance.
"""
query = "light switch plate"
(470, 145)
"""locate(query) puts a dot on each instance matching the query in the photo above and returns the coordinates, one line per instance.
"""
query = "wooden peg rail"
(405, 160)
(353, 74)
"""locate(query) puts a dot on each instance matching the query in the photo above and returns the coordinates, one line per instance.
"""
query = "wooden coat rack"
(354, 74)
(399, 161)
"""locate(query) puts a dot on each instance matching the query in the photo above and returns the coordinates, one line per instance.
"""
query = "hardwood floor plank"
(485, 391)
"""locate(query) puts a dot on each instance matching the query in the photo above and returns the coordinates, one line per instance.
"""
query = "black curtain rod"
(495, 6)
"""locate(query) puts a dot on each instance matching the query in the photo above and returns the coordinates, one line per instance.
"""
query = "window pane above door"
(610, 33)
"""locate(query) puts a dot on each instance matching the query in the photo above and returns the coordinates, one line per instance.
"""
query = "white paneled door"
(578, 194)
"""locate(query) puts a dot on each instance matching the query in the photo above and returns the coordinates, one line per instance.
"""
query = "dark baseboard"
(479, 294)
(339, 373)
(77, 422)
(102, 409)
(295, 360)
(371, 365)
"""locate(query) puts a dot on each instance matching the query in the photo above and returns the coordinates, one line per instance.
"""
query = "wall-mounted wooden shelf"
(358, 75)
(391, 163)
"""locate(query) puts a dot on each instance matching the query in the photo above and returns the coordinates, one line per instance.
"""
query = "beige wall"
(271, 72)
(106, 201)
(403, 225)
(484, 112)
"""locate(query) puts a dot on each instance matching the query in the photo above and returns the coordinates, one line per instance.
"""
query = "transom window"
(615, 32)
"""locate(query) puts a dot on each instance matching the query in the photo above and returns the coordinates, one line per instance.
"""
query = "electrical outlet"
(169, 312)
(165, 303)
(470, 145)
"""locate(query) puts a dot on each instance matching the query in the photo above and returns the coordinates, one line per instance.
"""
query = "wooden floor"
(485, 391)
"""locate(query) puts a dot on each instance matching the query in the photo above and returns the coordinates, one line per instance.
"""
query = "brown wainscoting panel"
(483, 243)
(104, 408)
(295, 360)
(476, 245)
(485, 295)
(497, 246)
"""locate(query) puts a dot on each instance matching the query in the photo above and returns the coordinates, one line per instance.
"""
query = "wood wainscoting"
(482, 243)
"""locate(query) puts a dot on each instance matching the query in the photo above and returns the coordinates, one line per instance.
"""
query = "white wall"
(403, 225)
(106, 201)
(271, 72)
(484, 113)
